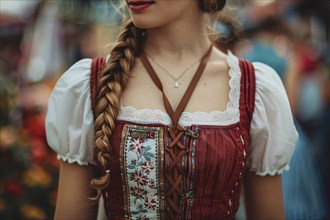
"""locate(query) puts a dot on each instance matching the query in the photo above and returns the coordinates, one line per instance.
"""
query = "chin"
(144, 23)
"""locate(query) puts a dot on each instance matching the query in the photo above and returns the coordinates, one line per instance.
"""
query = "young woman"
(173, 121)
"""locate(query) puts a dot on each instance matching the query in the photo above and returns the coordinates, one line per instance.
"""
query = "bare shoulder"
(218, 62)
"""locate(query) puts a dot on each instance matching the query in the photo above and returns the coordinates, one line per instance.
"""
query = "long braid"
(113, 81)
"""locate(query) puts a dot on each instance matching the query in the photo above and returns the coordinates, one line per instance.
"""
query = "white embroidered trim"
(270, 172)
(143, 116)
(74, 160)
(230, 116)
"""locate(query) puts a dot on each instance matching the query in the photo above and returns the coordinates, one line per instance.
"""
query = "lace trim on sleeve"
(270, 172)
(74, 160)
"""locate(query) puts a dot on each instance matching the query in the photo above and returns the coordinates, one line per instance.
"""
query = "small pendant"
(176, 84)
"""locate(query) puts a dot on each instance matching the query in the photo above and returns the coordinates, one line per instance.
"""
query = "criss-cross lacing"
(174, 174)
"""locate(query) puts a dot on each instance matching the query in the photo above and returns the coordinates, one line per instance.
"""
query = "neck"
(184, 39)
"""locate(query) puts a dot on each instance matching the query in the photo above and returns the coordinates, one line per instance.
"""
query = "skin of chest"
(210, 94)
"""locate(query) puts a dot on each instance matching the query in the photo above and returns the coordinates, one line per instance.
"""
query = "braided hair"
(113, 81)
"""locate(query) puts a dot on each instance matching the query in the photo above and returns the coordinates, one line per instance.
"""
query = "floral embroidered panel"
(141, 156)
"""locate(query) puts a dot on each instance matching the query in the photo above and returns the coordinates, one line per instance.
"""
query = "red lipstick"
(139, 5)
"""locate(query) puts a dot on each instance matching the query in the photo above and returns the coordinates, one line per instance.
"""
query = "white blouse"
(69, 121)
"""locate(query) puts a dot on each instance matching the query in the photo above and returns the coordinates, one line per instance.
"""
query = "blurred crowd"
(293, 38)
(39, 39)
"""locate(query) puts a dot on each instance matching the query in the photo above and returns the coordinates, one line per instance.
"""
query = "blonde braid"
(113, 81)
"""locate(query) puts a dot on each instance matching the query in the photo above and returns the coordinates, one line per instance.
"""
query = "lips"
(139, 5)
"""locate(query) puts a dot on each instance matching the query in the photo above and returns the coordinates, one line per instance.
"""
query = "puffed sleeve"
(273, 133)
(69, 120)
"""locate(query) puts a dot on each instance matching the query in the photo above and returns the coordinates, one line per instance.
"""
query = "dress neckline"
(230, 115)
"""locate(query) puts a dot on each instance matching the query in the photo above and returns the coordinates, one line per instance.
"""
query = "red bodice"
(213, 167)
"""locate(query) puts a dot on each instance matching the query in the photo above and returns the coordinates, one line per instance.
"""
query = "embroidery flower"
(150, 203)
(138, 193)
(139, 178)
(142, 217)
(151, 183)
(147, 166)
(133, 162)
(136, 145)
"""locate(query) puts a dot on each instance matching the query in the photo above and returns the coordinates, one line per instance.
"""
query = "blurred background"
(40, 39)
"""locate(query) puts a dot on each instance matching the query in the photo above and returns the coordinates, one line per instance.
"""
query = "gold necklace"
(176, 80)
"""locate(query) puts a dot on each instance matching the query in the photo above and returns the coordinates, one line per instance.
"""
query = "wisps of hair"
(113, 81)
(228, 36)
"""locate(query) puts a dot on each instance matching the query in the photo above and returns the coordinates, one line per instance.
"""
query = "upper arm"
(70, 132)
(74, 192)
(263, 197)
